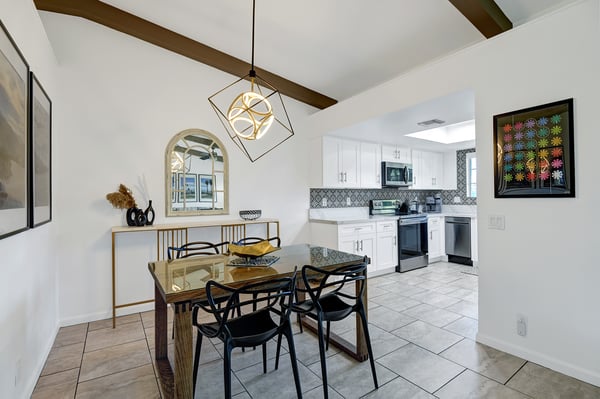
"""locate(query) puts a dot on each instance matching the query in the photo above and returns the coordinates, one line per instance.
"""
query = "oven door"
(412, 248)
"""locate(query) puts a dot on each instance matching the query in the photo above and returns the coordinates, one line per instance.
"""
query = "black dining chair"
(256, 240)
(196, 248)
(329, 301)
(270, 317)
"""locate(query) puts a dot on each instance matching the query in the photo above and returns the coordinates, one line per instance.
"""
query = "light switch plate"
(496, 222)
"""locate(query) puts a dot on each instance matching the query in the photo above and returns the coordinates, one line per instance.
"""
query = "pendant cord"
(253, 18)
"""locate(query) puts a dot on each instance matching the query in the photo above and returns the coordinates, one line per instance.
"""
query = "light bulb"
(250, 115)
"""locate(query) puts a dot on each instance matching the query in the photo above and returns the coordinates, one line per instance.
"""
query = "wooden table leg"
(165, 372)
(361, 342)
(183, 351)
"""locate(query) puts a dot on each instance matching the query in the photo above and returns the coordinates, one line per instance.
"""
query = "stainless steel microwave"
(396, 174)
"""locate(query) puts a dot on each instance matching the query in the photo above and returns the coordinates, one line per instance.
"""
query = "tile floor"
(422, 323)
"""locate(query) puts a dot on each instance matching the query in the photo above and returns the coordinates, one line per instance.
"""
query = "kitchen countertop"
(361, 215)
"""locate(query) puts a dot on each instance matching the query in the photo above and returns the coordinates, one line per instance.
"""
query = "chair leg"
(292, 349)
(322, 357)
(264, 353)
(278, 351)
(363, 317)
(227, 369)
(327, 341)
(197, 358)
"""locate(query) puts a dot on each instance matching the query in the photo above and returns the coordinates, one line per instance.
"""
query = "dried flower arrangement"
(122, 199)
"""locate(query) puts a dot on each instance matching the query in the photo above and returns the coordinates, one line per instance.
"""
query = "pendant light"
(255, 117)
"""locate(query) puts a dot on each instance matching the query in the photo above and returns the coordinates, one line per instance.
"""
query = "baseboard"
(86, 318)
(34, 377)
(569, 369)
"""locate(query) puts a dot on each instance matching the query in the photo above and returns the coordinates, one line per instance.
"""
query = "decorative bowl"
(250, 214)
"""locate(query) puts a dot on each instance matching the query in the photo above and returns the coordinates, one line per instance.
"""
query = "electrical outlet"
(522, 325)
(348, 202)
(457, 200)
(324, 202)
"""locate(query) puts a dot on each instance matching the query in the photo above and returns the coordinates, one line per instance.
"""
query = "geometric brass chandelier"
(253, 113)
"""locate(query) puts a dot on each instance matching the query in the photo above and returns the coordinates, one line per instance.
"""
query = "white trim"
(89, 317)
(35, 376)
(555, 364)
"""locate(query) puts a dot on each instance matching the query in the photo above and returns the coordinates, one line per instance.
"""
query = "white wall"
(29, 285)
(124, 100)
(544, 264)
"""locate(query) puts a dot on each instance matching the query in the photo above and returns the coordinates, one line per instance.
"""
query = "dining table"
(181, 283)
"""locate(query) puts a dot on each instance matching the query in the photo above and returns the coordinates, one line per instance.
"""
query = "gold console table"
(176, 234)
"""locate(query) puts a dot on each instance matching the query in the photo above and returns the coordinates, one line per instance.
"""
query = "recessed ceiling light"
(431, 122)
(450, 134)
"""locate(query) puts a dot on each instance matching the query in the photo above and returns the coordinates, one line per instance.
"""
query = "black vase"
(130, 216)
(149, 213)
(140, 218)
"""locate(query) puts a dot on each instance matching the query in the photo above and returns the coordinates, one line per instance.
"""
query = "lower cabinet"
(359, 239)
(436, 242)
(387, 245)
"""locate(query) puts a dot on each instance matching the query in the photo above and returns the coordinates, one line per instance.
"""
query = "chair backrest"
(334, 281)
(194, 249)
(274, 296)
(256, 240)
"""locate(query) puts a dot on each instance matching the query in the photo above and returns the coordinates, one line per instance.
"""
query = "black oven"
(412, 239)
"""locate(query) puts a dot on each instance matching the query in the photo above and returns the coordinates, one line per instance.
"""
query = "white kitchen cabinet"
(387, 245)
(359, 239)
(393, 153)
(340, 162)
(449, 170)
(370, 165)
(436, 242)
(428, 173)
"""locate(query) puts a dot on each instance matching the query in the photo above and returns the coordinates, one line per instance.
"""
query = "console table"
(175, 235)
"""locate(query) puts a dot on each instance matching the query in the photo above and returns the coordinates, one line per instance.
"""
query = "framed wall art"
(205, 187)
(535, 152)
(14, 147)
(188, 187)
(41, 154)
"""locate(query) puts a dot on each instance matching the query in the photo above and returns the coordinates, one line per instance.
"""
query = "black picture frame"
(14, 137)
(205, 187)
(188, 187)
(534, 152)
(41, 154)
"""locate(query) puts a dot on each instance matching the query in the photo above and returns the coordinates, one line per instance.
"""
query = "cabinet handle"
(431, 235)
(357, 246)
(361, 245)
(341, 177)
(378, 178)
(394, 240)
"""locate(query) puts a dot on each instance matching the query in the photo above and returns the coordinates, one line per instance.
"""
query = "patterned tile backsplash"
(359, 197)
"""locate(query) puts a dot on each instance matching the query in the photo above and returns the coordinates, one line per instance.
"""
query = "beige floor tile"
(543, 383)
(71, 335)
(487, 361)
(470, 385)
(57, 386)
(63, 358)
(399, 388)
(114, 359)
(107, 323)
(464, 326)
(105, 337)
(137, 383)
(427, 336)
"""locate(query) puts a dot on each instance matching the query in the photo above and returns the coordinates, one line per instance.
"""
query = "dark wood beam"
(485, 15)
(130, 24)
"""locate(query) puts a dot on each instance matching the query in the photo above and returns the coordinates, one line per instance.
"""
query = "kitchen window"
(472, 175)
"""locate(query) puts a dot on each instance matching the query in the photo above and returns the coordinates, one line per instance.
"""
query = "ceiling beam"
(130, 24)
(485, 15)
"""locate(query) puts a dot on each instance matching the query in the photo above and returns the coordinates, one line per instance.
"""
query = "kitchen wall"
(29, 283)
(544, 264)
(337, 198)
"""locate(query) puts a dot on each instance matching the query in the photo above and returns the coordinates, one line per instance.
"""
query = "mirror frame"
(168, 193)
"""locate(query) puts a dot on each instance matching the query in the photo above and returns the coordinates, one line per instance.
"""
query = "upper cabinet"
(346, 163)
(393, 153)
(434, 170)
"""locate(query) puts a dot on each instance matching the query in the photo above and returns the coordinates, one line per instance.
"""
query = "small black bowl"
(250, 214)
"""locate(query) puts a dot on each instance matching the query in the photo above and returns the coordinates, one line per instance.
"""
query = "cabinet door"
(436, 240)
(436, 169)
(387, 250)
(404, 155)
(370, 165)
(418, 175)
(349, 244)
(388, 153)
(332, 175)
(349, 156)
(366, 247)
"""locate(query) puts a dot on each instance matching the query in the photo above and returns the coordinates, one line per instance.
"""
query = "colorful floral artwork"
(534, 151)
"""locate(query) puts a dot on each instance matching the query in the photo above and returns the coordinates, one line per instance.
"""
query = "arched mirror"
(196, 174)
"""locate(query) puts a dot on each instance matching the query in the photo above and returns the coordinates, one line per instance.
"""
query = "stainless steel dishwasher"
(458, 239)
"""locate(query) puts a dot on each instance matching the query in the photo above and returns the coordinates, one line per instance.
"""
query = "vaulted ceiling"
(316, 51)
